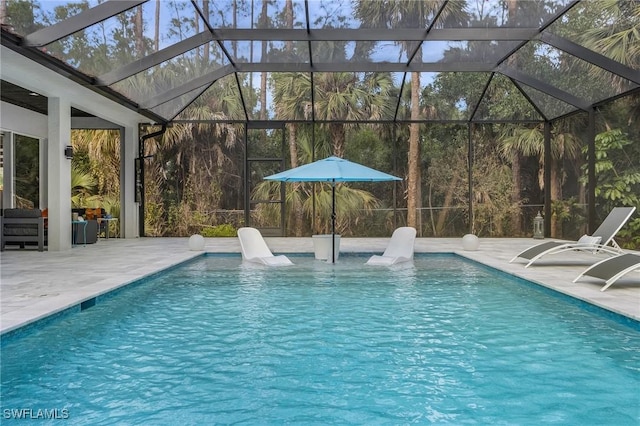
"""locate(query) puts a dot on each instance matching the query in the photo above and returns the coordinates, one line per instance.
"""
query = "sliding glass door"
(27, 171)
(20, 171)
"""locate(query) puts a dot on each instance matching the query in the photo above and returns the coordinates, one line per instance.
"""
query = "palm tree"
(338, 97)
(530, 142)
(202, 152)
(103, 150)
(83, 187)
(192, 162)
(341, 96)
(408, 14)
(316, 198)
(287, 96)
(620, 42)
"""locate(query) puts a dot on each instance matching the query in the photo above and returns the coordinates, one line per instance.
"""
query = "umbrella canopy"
(332, 170)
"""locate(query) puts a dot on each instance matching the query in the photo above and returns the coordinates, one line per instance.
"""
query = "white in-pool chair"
(399, 249)
(600, 241)
(255, 249)
(612, 268)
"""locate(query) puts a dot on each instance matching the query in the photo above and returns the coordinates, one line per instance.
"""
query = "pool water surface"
(214, 341)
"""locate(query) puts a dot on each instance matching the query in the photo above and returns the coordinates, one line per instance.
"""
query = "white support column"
(128, 206)
(9, 184)
(59, 175)
(44, 174)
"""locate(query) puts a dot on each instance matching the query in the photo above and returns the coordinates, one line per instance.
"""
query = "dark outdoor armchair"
(23, 227)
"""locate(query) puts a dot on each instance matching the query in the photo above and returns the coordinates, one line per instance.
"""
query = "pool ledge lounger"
(399, 250)
(254, 249)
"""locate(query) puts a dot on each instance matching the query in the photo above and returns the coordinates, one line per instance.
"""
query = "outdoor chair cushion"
(21, 229)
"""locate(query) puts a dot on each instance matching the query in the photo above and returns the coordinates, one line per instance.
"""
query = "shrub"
(224, 230)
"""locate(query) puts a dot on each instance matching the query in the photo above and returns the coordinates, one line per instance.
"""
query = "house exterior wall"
(63, 94)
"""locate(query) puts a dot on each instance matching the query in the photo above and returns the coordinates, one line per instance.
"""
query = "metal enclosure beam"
(470, 129)
(545, 87)
(364, 67)
(79, 22)
(375, 34)
(154, 59)
(591, 172)
(547, 179)
(592, 57)
(194, 84)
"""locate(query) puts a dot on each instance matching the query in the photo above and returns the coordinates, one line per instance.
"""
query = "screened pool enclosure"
(491, 111)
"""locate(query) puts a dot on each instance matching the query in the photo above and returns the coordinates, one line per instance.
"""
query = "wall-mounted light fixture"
(68, 152)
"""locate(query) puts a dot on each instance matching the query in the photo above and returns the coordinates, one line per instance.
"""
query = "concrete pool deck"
(34, 285)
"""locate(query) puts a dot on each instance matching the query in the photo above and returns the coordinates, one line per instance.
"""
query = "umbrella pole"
(333, 222)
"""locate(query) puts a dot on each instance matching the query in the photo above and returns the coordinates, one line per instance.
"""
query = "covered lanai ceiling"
(475, 59)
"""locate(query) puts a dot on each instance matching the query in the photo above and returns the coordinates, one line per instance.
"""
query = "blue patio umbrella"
(332, 170)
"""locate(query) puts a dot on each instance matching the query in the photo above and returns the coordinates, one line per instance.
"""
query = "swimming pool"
(443, 341)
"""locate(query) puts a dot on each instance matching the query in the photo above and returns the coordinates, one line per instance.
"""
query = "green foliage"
(370, 147)
(83, 187)
(571, 216)
(224, 230)
(154, 221)
(352, 205)
(24, 16)
(618, 177)
(444, 170)
(632, 233)
(196, 171)
(492, 204)
(178, 220)
(27, 171)
(111, 205)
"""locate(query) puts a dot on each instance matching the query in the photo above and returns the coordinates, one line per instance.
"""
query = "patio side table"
(108, 221)
(75, 224)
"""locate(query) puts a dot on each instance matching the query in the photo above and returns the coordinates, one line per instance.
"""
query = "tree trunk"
(516, 176)
(156, 32)
(336, 131)
(413, 181)
(139, 33)
(263, 91)
(288, 17)
(298, 214)
(431, 218)
(263, 75)
(205, 11)
(3, 11)
(442, 216)
(516, 166)
(556, 195)
(234, 44)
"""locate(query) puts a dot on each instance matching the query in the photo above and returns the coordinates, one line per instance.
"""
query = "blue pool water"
(443, 341)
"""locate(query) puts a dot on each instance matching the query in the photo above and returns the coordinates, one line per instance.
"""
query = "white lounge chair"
(399, 249)
(600, 241)
(255, 249)
(612, 268)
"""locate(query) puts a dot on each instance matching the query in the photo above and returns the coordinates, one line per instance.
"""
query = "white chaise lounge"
(600, 241)
(255, 249)
(399, 249)
(612, 268)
